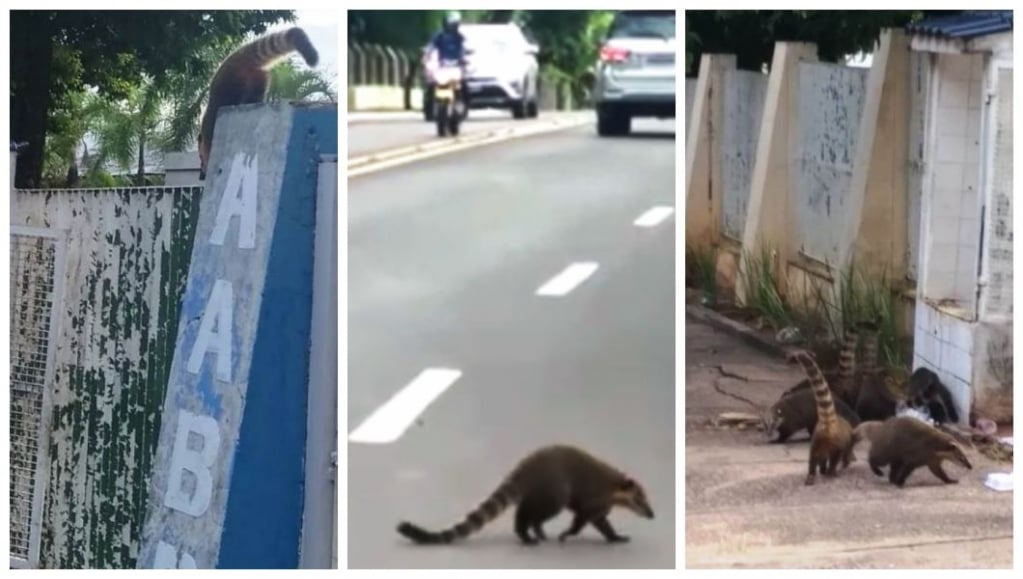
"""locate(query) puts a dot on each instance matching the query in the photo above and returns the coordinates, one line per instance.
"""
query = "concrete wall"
(794, 162)
(690, 95)
(830, 102)
(743, 109)
(227, 483)
(127, 256)
(951, 209)
(181, 169)
(919, 83)
(382, 98)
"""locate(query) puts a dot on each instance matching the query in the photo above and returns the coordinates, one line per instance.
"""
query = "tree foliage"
(56, 54)
(568, 39)
(751, 34)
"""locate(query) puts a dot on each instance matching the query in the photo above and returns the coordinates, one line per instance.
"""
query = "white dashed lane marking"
(568, 279)
(653, 216)
(390, 421)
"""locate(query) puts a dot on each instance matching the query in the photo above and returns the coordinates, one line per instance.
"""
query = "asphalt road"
(445, 259)
(365, 138)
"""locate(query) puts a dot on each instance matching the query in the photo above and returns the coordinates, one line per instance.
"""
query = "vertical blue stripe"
(262, 526)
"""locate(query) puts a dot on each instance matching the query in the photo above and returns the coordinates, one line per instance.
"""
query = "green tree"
(128, 129)
(407, 30)
(751, 34)
(55, 54)
(287, 82)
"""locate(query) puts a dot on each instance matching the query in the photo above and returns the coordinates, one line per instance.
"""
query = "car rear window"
(643, 25)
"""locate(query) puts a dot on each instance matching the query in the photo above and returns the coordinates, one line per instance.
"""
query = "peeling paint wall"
(997, 291)
(919, 70)
(744, 96)
(993, 372)
(830, 103)
(127, 260)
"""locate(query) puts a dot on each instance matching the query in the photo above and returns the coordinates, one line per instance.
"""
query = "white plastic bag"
(999, 481)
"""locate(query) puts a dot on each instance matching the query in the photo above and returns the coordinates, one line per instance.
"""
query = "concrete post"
(769, 214)
(703, 157)
(876, 226)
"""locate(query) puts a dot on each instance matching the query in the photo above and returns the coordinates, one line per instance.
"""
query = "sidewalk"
(746, 505)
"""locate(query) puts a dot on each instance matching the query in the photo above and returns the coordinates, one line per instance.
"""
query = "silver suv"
(636, 72)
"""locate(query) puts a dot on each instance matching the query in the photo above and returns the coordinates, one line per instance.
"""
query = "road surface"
(446, 257)
(369, 137)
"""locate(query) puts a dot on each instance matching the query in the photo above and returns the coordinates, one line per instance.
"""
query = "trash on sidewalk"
(738, 420)
(999, 481)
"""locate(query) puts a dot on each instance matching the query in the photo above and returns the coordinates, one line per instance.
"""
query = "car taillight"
(613, 54)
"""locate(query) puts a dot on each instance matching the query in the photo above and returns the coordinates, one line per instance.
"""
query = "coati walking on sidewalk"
(906, 444)
(832, 438)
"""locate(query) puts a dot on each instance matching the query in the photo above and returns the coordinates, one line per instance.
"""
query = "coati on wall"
(832, 438)
(243, 79)
(926, 392)
(906, 444)
(542, 484)
(873, 399)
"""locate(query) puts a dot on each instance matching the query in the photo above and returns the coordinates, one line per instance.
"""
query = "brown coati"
(832, 438)
(243, 79)
(926, 392)
(906, 444)
(840, 379)
(873, 399)
(542, 484)
(798, 411)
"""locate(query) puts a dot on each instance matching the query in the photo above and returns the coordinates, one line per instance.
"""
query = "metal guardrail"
(373, 64)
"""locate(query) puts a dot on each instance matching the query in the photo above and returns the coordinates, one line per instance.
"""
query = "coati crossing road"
(544, 483)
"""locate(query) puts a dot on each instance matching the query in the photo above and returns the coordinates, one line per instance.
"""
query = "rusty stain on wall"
(127, 261)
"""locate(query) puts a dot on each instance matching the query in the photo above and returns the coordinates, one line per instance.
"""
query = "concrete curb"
(393, 157)
(742, 331)
(364, 117)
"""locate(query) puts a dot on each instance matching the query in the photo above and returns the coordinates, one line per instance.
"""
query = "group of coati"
(848, 404)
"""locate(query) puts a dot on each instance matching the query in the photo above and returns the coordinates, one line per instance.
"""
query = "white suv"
(636, 72)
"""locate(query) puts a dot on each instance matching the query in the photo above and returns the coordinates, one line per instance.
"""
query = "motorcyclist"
(449, 45)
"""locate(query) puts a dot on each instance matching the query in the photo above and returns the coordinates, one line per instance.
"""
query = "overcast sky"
(322, 28)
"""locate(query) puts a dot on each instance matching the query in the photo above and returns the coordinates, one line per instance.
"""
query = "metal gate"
(37, 266)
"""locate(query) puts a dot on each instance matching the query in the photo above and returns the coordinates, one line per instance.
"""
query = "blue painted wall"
(263, 523)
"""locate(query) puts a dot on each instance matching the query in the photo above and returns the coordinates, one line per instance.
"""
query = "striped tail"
(268, 49)
(871, 347)
(847, 360)
(496, 503)
(827, 419)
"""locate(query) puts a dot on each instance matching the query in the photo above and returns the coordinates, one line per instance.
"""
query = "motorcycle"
(448, 100)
